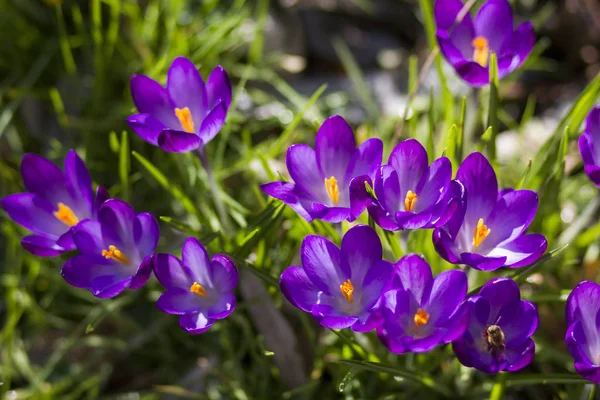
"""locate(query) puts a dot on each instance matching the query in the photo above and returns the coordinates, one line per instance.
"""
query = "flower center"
(481, 232)
(66, 215)
(333, 190)
(481, 51)
(198, 289)
(410, 200)
(185, 119)
(115, 254)
(421, 318)
(347, 289)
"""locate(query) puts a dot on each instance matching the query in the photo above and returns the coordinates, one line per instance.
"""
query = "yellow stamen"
(481, 232)
(410, 200)
(347, 289)
(185, 119)
(421, 318)
(115, 254)
(481, 51)
(198, 289)
(332, 190)
(66, 215)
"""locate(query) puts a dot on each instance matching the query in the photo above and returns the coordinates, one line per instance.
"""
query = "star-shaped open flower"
(186, 114)
(419, 311)
(327, 178)
(589, 146)
(197, 288)
(339, 287)
(487, 230)
(116, 250)
(54, 203)
(583, 332)
(467, 45)
(498, 337)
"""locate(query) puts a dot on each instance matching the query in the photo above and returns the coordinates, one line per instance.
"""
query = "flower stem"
(215, 191)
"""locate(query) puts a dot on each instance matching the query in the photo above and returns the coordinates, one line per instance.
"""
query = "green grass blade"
(124, 166)
(492, 121)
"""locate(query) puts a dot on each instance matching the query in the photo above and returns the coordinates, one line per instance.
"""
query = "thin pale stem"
(215, 191)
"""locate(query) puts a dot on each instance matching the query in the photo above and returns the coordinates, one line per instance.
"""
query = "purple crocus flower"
(198, 289)
(487, 231)
(116, 250)
(54, 203)
(589, 146)
(583, 333)
(327, 178)
(340, 288)
(499, 334)
(186, 114)
(412, 194)
(467, 45)
(420, 312)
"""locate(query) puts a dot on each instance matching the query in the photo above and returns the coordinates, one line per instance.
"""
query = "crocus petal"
(576, 342)
(78, 182)
(195, 323)
(331, 318)
(382, 218)
(213, 122)
(332, 215)
(298, 289)
(586, 148)
(41, 246)
(218, 87)
(151, 98)
(142, 274)
(458, 323)
(409, 159)
(170, 272)
(412, 273)
(224, 273)
(445, 13)
(522, 323)
(42, 177)
(522, 251)
(101, 196)
(410, 220)
(447, 293)
(116, 219)
(286, 192)
(521, 356)
(583, 304)
(494, 22)
(82, 269)
(195, 257)
(482, 263)
(361, 250)
(179, 301)
(323, 265)
(445, 246)
(108, 286)
(365, 160)
(387, 189)
(302, 165)
(88, 238)
(374, 282)
(175, 141)
(449, 49)
(433, 182)
(186, 88)
(146, 126)
(145, 233)
(223, 306)
(499, 292)
(518, 48)
(34, 213)
(334, 147)
(360, 199)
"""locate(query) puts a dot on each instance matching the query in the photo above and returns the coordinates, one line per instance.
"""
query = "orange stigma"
(481, 51)
(410, 200)
(421, 318)
(115, 254)
(333, 190)
(481, 232)
(347, 289)
(66, 215)
(185, 119)
(198, 289)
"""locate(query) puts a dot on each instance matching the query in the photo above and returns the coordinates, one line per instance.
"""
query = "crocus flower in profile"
(116, 250)
(412, 194)
(340, 288)
(327, 178)
(583, 332)
(198, 289)
(54, 203)
(589, 146)
(186, 114)
(419, 311)
(487, 230)
(467, 45)
(499, 334)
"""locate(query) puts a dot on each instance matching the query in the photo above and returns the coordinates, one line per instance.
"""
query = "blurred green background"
(64, 72)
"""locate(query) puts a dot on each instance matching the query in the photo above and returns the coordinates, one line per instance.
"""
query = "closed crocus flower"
(498, 337)
(589, 146)
(487, 230)
(467, 45)
(419, 311)
(326, 178)
(186, 114)
(412, 194)
(197, 288)
(54, 203)
(116, 250)
(583, 332)
(340, 288)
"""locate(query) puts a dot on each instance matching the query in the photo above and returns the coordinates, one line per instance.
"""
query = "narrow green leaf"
(256, 48)
(124, 166)
(524, 177)
(430, 145)
(498, 388)
(65, 46)
(460, 137)
(451, 143)
(492, 121)
(543, 379)
(180, 226)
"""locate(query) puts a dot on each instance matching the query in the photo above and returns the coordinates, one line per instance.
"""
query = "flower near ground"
(589, 146)
(116, 250)
(197, 288)
(467, 45)
(487, 230)
(339, 287)
(412, 194)
(419, 311)
(583, 331)
(498, 337)
(186, 114)
(329, 181)
(54, 203)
